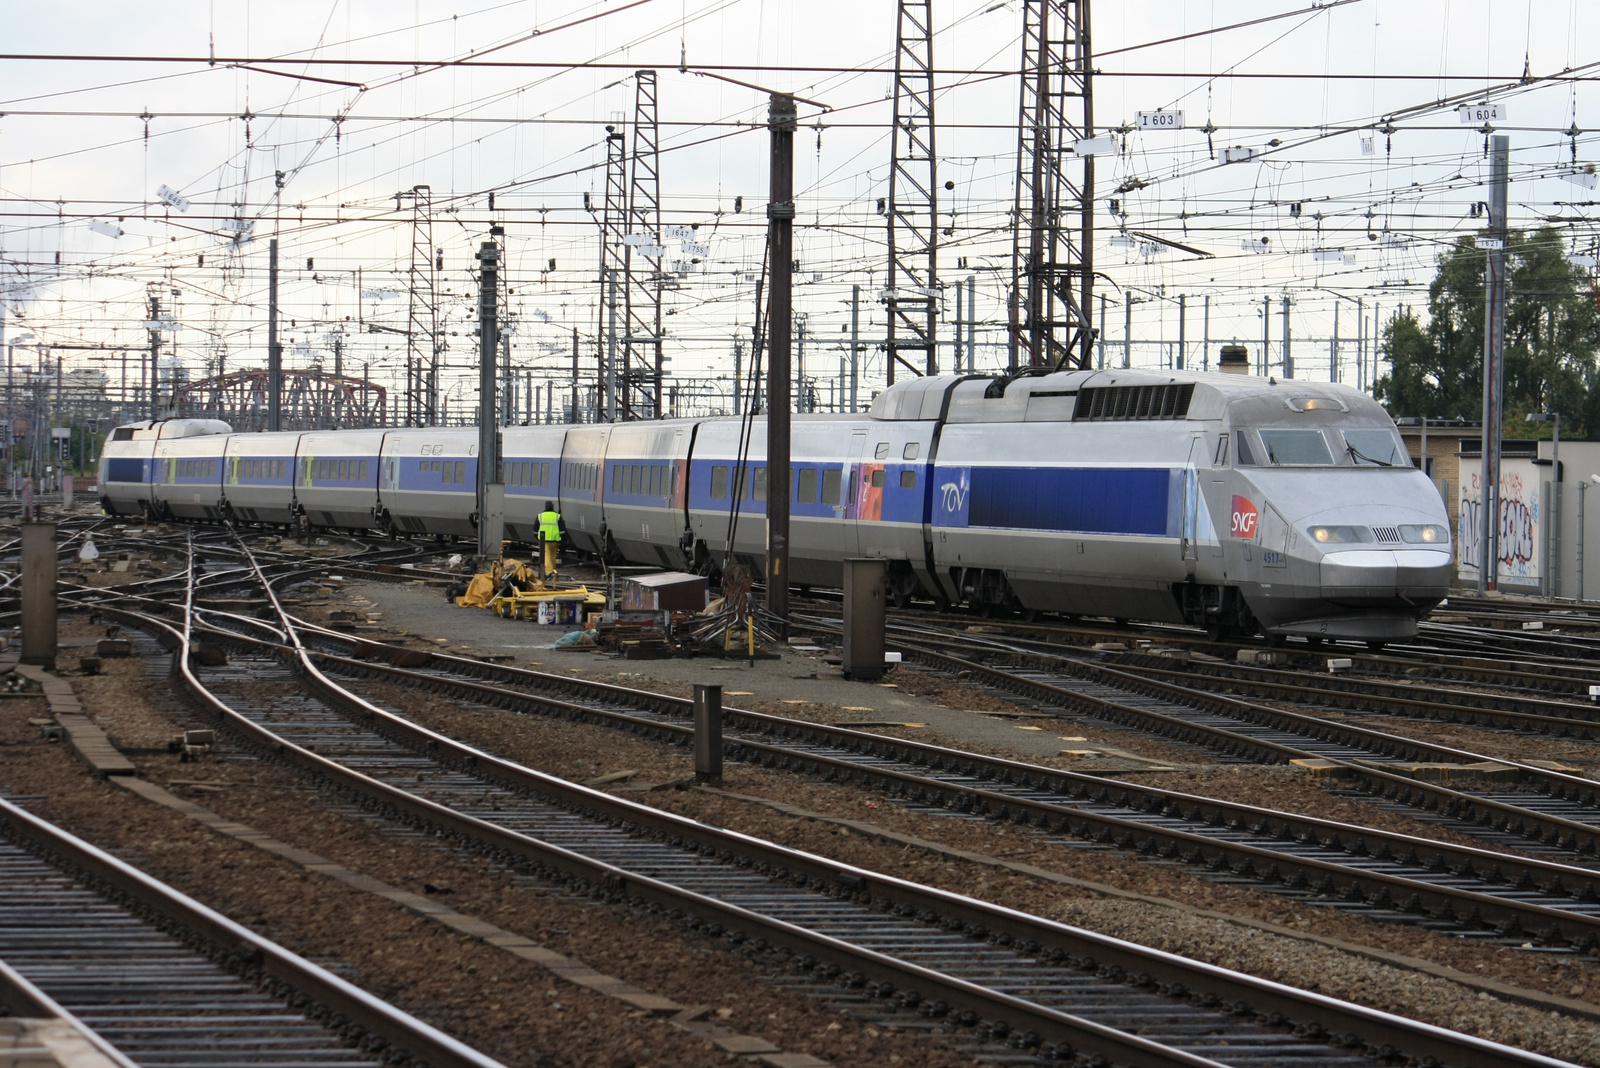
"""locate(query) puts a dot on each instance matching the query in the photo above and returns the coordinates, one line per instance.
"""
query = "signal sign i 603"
(1159, 120)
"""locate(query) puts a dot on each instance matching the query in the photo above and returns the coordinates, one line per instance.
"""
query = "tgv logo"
(1244, 517)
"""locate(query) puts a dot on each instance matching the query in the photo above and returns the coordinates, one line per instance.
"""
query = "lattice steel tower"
(642, 363)
(912, 290)
(613, 266)
(1052, 248)
(422, 329)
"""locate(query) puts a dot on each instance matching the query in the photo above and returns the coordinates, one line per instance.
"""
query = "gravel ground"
(573, 751)
(272, 799)
(509, 1008)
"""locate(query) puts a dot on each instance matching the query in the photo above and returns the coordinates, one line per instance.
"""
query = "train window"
(122, 433)
(211, 469)
(1220, 458)
(616, 480)
(908, 480)
(636, 478)
(911, 450)
(544, 474)
(1376, 448)
(1298, 447)
(882, 451)
(1246, 458)
(805, 490)
(877, 478)
(719, 482)
(759, 484)
(830, 486)
(461, 471)
(444, 470)
(363, 475)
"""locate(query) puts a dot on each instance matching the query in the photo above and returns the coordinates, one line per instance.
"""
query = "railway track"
(1009, 979)
(1383, 875)
(1551, 810)
(158, 980)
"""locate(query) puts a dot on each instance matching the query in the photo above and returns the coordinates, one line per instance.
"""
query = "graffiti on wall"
(1521, 512)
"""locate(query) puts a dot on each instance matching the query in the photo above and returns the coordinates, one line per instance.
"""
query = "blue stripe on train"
(124, 469)
(1084, 500)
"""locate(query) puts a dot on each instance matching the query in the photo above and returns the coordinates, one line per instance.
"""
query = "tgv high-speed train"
(1235, 503)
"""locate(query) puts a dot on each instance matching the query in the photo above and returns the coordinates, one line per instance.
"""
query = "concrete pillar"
(39, 594)
(707, 733)
(864, 609)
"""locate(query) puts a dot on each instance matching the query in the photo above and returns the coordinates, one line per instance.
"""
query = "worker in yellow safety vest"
(550, 535)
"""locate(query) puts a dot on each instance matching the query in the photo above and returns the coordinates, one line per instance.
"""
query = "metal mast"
(1052, 246)
(912, 291)
(422, 329)
(613, 265)
(642, 355)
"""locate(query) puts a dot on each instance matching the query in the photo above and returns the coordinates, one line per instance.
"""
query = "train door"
(852, 493)
(1274, 538)
(1218, 489)
(1189, 526)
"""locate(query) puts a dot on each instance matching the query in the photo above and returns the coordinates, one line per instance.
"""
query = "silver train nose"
(1380, 573)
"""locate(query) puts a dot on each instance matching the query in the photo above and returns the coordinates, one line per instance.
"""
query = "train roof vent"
(1390, 535)
(1169, 400)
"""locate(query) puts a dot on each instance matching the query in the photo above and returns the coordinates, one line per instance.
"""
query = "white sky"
(73, 147)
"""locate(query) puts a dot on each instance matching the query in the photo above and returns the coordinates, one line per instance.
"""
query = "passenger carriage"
(258, 482)
(429, 481)
(530, 467)
(336, 478)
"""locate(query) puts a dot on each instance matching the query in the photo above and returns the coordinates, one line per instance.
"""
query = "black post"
(707, 733)
(155, 356)
(488, 379)
(780, 216)
(575, 418)
(274, 351)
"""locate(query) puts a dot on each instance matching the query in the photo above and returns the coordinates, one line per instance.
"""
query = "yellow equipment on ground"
(515, 590)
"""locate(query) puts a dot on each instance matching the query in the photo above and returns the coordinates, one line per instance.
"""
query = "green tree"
(1552, 339)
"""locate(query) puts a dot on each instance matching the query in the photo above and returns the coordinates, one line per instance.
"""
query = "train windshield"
(1296, 447)
(1376, 448)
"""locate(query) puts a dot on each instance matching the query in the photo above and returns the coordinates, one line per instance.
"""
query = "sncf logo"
(1244, 517)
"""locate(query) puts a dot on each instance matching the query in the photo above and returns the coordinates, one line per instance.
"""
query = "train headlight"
(1424, 534)
(1339, 535)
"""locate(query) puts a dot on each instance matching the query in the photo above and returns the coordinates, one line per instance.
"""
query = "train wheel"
(902, 598)
(1214, 632)
(1030, 615)
(1376, 647)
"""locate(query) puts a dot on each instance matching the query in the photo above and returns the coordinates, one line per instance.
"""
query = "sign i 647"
(1159, 120)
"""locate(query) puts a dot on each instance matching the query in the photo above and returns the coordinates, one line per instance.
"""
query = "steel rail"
(350, 1010)
(1056, 801)
(1047, 940)
(1359, 694)
(22, 997)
